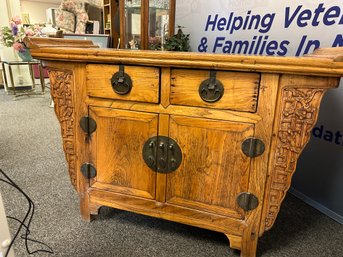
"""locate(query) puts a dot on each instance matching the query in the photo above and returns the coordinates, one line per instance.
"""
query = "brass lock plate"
(162, 154)
(88, 124)
(121, 82)
(88, 170)
(211, 90)
(247, 201)
(253, 147)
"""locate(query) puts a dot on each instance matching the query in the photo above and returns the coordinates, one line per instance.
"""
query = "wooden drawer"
(145, 82)
(240, 89)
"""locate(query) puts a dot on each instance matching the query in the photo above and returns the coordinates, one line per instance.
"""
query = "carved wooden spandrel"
(299, 112)
(61, 82)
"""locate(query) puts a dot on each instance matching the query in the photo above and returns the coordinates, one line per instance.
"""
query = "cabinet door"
(214, 170)
(116, 149)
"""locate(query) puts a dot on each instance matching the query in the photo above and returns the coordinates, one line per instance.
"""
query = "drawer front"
(145, 82)
(240, 89)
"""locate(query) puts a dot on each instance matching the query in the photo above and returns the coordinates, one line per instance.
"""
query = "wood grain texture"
(58, 42)
(334, 53)
(259, 165)
(314, 65)
(240, 94)
(61, 87)
(144, 24)
(235, 241)
(145, 82)
(169, 212)
(214, 170)
(163, 130)
(177, 110)
(120, 137)
(165, 87)
(87, 208)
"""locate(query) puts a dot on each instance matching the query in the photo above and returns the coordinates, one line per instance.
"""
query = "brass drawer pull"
(121, 82)
(211, 89)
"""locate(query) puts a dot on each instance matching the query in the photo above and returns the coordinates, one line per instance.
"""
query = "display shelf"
(110, 8)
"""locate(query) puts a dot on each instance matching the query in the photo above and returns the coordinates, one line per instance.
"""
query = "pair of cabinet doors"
(212, 173)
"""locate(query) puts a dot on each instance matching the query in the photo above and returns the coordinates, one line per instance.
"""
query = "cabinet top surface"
(322, 62)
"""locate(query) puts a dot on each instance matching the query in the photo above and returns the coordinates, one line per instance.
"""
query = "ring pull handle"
(211, 89)
(121, 82)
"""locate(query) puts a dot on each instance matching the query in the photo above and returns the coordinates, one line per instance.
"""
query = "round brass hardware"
(211, 90)
(162, 154)
(253, 147)
(247, 201)
(88, 170)
(121, 83)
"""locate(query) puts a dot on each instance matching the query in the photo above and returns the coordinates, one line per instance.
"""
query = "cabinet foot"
(235, 241)
(90, 213)
(246, 246)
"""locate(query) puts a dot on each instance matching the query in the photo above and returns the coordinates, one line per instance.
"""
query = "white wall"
(36, 10)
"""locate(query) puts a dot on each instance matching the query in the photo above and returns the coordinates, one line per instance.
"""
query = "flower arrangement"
(13, 36)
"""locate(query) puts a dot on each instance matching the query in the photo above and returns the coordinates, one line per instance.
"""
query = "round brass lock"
(211, 90)
(162, 154)
(247, 201)
(121, 83)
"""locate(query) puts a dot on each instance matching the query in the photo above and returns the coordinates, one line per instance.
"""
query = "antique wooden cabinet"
(202, 139)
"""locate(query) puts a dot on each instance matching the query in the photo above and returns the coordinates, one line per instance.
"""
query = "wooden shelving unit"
(109, 13)
(117, 22)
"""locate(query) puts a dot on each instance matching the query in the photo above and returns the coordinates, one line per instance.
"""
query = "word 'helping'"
(234, 23)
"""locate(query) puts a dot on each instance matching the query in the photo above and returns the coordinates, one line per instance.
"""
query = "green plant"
(178, 42)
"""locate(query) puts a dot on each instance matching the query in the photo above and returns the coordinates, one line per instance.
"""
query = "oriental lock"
(162, 154)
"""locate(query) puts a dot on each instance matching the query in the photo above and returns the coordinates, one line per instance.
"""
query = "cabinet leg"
(246, 245)
(249, 245)
(88, 210)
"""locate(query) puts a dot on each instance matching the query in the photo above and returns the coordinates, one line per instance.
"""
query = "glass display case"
(158, 23)
(146, 23)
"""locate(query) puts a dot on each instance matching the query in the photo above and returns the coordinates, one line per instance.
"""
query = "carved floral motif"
(61, 92)
(299, 112)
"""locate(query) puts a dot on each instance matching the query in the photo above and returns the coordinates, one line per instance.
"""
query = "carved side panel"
(61, 92)
(299, 112)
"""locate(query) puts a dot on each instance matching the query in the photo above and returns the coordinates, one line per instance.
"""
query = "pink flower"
(29, 32)
(18, 46)
(15, 20)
